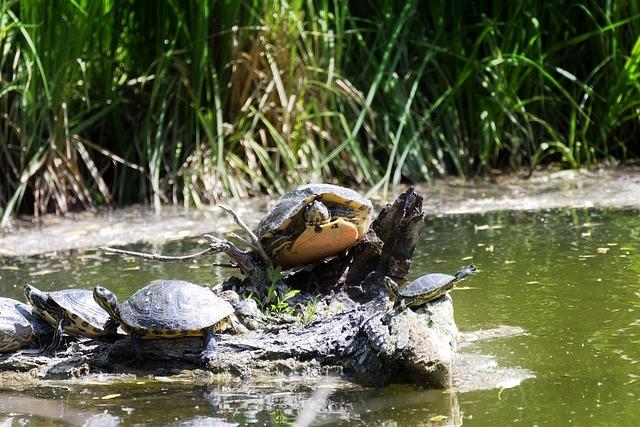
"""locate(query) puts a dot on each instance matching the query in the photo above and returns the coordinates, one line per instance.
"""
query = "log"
(361, 334)
(372, 344)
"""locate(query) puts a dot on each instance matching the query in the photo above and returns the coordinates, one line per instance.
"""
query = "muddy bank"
(612, 188)
(601, 188)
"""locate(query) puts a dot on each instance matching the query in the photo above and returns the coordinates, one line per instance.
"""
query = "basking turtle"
(168, 309)
(71, 310)
(312, 222)
(21, 326)
(425, 288)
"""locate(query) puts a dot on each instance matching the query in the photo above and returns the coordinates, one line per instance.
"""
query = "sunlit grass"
(112, 102)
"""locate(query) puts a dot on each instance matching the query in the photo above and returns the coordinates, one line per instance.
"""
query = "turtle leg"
(136, 343)
(56, 341)
(209, 346)
(111, 326)
(399, 306)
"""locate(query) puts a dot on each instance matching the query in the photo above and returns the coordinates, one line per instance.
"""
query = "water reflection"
(570, 278)
(155, 403)
(49, 409)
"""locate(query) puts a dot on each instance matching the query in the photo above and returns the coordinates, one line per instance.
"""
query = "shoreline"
(600, 188)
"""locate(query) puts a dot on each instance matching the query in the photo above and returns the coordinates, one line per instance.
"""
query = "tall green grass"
(119, 101)
(483, 85)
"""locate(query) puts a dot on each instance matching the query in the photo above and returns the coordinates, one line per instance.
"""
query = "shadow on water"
(569, 279)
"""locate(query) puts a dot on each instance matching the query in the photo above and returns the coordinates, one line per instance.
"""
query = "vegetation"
(119, 101)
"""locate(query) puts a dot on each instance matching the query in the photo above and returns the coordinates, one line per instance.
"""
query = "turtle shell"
(427, 285)
(284, 222)
(173, 307)
(86, 317)
(20, 325)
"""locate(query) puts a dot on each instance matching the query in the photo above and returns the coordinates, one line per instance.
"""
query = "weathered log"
(372, 343)
(361, 334)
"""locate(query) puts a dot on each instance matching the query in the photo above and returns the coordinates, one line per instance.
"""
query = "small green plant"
(275, 302)
(279, 305)
(308, 311)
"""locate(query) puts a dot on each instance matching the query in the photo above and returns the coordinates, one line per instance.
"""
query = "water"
(570, 278)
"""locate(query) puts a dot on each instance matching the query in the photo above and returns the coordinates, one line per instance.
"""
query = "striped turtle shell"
(434, 285)
(84, 316)
(173, 307)
(284, 222)
(20, 326)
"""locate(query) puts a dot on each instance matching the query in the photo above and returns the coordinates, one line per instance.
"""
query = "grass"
(112, 102)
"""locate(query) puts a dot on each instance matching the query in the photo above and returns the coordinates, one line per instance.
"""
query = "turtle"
(425, 288)
(312, 222)
(21, 326)
(168, 309)
(73, 311)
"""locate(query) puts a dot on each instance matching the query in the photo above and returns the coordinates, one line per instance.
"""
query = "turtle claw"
(206, 357)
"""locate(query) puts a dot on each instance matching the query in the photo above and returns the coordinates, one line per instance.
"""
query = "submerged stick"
(168, 258)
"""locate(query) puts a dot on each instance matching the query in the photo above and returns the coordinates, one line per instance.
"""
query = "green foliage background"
(119, 101)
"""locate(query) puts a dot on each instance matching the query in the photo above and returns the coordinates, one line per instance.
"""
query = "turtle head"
(107, 300)
(465, 271)
(36, 297)
(392, 288)
(316, 213)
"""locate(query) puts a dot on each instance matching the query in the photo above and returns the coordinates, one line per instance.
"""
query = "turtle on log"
(70, 310)
(168, 309)
(21, 326)
(312, 222)
(425, 288)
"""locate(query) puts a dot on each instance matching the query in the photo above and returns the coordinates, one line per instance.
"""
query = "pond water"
(569, 277)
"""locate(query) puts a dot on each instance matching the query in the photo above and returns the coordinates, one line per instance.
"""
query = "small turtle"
(168, 309)
(313, 222)
(21, 326)
(425, 288)
(71, 310)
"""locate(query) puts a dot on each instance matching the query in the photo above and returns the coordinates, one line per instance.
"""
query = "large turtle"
(312, 222)
(425, 288)
(70, 310)
(168, 309)
(21, 326)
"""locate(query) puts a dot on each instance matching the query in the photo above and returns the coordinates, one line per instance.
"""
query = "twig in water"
(168, 258)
